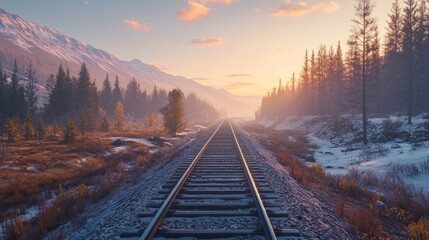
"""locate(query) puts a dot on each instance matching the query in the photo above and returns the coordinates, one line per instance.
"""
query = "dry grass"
(34, 170)
(419, 230)
(349, 195)
(32, 167)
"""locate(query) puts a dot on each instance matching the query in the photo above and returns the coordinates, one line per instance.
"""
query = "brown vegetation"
(349, 195)
(34, 169)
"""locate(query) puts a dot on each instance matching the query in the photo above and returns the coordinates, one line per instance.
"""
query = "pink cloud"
(297, 9)
(208, 41)
(135, 25)
(226, 2)
(193, 12)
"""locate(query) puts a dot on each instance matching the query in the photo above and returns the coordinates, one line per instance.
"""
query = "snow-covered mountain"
(46, 48)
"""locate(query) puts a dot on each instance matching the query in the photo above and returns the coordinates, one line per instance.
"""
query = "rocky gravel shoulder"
(314, 218)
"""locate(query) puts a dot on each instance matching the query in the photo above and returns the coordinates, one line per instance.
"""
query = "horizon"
(185, 37)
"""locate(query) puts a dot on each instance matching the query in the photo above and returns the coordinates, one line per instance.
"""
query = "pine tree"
(321, 79)
(313, 83)
(70, 93)
(83, 101)
(132, 99)
(364, 33)
(49, 87)
(338, 82)
(31, 89)
(117, 94)
(106, 96)
(305, 84)
(154, 100)
(16, 105)
(330, 82)
(292, 94)
(57, 99)
(174, 112)
(409, 26)
(393, 73)
(422, 58)
(394, 36)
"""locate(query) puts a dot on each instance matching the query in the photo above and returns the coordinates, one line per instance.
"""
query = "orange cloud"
(226, 2)
(208, 41)
(297, 9)
(193, 12)
(135, 25)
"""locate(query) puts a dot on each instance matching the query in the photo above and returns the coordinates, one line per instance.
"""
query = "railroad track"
(221, 193)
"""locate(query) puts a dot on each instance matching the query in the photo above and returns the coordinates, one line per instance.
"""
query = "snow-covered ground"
(338, 151)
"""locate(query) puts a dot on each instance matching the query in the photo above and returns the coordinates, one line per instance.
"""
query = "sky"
(243, 46)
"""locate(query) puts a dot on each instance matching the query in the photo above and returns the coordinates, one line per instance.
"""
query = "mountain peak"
(136, 61)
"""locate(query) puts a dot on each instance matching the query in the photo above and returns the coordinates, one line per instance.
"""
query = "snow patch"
(337, 153)
(136, 140)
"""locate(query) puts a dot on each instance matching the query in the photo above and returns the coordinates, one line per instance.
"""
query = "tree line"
(77, 104)
(370, 77)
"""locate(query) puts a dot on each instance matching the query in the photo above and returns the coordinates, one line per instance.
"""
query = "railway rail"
(223, 184)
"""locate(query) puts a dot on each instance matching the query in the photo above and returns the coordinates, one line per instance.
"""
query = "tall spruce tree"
(49, 87)
(305, 84)
(57, 98)
(422, 35)
(117, 94)
(70, 94)
(83, 89)
(132, 98)
(106, 96)
(338, 81)
(393, 73)
(31, 89)
(409, 26)
(16, 99)
(364, 33)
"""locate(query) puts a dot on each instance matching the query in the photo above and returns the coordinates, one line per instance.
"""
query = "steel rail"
(266, 224)
(153, 226)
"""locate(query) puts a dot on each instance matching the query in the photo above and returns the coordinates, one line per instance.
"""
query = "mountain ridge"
(47, 48)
